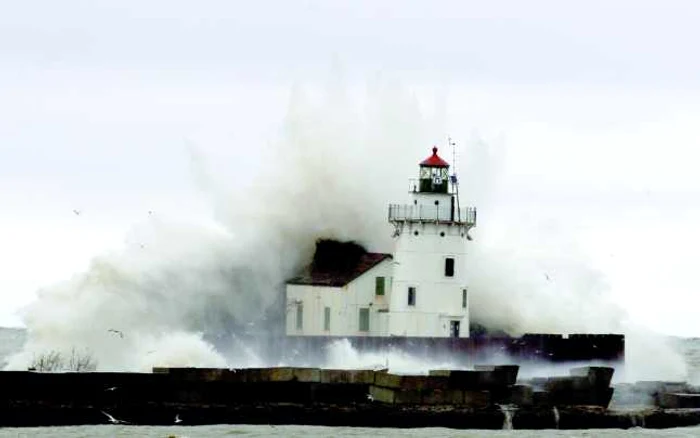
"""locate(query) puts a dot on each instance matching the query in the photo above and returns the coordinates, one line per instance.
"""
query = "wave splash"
(178, 294)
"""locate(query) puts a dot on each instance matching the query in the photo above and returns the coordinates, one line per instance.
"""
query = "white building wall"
(420, 263)
(345, 304)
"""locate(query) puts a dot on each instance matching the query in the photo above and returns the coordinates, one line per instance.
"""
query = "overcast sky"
(596, 102)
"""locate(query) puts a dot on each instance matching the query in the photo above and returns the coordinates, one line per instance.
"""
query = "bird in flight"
(114, 420)
(177, 419)
(76, 212)
(116, 332)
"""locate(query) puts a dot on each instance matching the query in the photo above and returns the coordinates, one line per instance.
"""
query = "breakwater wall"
(483, 398)
(555, 348)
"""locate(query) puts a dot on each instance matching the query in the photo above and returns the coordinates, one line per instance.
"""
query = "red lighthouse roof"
(434, 160)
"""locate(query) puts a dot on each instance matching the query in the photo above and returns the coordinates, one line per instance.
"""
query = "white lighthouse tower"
(430, 294)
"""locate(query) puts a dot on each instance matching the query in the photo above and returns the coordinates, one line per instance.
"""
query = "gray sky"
(596, 103)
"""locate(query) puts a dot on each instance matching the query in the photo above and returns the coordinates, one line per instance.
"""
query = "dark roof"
(434, 160)
(339, 277)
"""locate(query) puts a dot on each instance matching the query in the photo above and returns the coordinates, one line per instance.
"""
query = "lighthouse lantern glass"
(433, 179)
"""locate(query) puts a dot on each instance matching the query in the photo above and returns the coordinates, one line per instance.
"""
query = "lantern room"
(434, 176)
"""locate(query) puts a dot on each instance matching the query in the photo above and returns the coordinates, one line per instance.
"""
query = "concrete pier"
(288, 395)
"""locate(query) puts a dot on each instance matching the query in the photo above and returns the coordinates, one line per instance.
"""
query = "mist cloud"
(330, 173)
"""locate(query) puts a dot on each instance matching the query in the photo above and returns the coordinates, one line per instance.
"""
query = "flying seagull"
(114, 420)
(177, 419)
(116, 332)
(111, 388)
(369, 397)
(76, 212)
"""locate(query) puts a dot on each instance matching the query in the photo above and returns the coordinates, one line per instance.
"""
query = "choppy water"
(319, 431)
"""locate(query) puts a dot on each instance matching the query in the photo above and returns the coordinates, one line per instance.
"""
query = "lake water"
(319, 431)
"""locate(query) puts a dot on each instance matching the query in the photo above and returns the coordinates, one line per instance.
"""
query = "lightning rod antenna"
(455, 183)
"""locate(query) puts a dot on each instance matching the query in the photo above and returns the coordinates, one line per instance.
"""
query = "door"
(454, 329)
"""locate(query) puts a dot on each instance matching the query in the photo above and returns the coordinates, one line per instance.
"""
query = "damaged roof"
(334, 278)
(336, 264)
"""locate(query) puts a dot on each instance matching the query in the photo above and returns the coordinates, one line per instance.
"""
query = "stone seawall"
(555, 348)
(483, 398)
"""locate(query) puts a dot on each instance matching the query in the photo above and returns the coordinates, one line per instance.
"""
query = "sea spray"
(555, 412)
(331, 173)
(212, 282)
(341, 354)
(508, 411)
(127, 307)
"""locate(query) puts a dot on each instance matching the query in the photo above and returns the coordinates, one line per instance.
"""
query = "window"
(364, 320)
(449, 267)
(327, 319)
(300, 316)
(464, 298)
(411, 296)
(379, 286)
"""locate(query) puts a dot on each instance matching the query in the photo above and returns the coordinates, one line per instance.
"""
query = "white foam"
(337, 164)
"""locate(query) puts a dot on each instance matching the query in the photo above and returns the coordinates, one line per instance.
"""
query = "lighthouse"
(415, 298)
(420, 290)
(430, 292)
